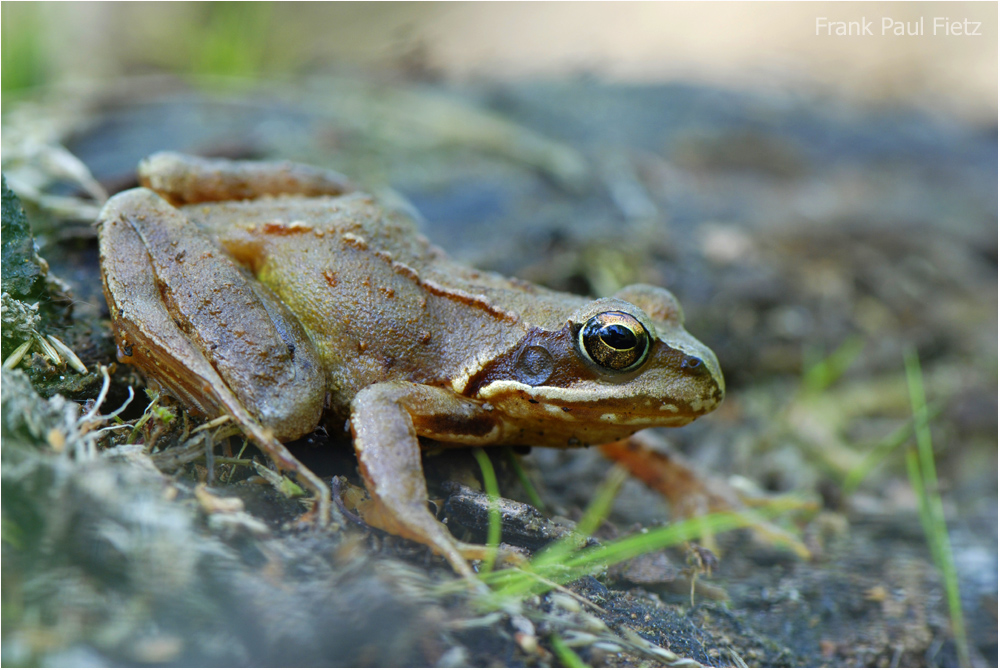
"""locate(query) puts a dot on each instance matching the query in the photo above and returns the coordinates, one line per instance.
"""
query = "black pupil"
(618, 337)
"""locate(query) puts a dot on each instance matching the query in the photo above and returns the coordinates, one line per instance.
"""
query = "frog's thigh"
(254, 343)
(386, 420)
(145, 333)
(149, 334)
(183, 179)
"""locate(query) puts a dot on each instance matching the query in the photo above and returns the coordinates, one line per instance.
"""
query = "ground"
(812, 244)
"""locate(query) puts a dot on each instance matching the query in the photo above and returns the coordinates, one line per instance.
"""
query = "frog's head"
(619, 364)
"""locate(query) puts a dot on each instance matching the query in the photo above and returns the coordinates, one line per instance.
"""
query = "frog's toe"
(504, 556)
(418, 527)
(184, 179)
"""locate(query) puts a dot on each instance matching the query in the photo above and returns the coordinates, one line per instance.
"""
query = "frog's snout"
(701, 385)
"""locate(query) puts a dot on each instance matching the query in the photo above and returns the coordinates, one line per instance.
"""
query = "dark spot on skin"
(456, 424)
(532, 401)
(291, 349)
(567, 409)
(180, 256)
(127, 350)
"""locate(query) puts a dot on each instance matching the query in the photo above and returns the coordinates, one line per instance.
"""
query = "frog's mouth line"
(576, 406)
(543, 432)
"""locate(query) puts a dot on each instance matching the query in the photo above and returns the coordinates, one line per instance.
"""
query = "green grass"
(24, 63)
(567, 656)
(881, 451)
(231, 40)
(522, 476)
(822, 374)
(923, 478)
(568, 559)
(565, 562)
(221, 41)
(493, 492)
(600, 505)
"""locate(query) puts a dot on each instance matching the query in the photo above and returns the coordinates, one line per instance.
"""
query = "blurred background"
(732, 44)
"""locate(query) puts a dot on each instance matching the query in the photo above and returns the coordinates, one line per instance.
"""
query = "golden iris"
(614, 340)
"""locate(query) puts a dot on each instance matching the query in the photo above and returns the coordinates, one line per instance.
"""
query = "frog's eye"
(614, 340)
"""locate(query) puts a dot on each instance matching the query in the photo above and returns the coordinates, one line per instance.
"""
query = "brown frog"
(275, 294)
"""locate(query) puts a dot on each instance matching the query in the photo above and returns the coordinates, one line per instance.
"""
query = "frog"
(283, 297)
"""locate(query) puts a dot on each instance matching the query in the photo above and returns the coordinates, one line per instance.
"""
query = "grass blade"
(568, 657)
(522, 476)
(923, 477)
(881, 451)
(493, 492)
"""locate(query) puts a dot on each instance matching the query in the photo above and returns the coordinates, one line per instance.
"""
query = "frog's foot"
(385, 420)
(689, 494)
(412, 520)
(184, 180)
(356, 505)
(375, 514)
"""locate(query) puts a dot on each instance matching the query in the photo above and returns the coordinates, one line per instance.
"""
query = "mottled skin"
(304, 300)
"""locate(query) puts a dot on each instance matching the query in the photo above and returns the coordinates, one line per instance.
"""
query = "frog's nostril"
(692, 364)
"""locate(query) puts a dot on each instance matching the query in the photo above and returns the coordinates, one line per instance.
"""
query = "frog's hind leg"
(688, 493)
(183, 179)
(186, 316)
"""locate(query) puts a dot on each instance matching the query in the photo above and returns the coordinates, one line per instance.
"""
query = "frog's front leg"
(386, 420)
(184, 179)
(189, 318)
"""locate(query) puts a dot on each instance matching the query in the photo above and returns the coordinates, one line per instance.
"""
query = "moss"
(23, 272)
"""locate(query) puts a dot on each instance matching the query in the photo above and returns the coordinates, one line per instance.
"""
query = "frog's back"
(378, 300)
